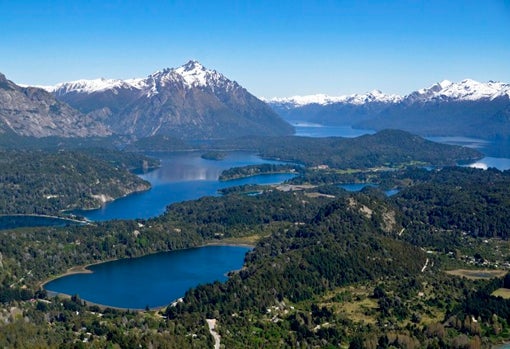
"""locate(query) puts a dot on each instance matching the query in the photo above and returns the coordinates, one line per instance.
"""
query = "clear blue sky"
(273, 48)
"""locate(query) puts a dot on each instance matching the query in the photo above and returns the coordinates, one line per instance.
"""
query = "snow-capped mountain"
(190, 101)
(322, 99)
(465, 90)
(190, 75)
(467, 107)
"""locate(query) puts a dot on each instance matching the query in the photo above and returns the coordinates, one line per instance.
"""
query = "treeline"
(43, 182)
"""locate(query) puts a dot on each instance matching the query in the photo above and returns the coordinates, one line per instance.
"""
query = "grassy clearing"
(244, 240)
(477, 274)
(354, 302)
(502, 292)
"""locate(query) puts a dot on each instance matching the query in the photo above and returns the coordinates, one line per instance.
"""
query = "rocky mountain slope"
(467, 108)
(30, 111)
(189, 102)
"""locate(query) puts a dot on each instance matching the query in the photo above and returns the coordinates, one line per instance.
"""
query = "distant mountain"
(30, 111)
(189, 102)
(468, 108)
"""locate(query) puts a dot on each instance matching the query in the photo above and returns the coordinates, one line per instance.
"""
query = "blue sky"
(273, 48)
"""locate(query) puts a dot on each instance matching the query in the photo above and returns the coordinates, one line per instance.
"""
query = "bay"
(155, 280)
(181, 176)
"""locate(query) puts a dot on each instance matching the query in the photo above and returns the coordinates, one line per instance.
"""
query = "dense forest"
(41, 182)
(255, 170)
(388, 148)
(330, 268)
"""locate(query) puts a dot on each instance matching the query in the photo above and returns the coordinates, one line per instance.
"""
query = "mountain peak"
(191, 65)
(445, 83)
(195, 74)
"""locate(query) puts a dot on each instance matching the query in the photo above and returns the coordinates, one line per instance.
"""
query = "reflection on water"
(307, 129)
(190, 166)
(474, 143)
(181, 177)
(488, 162)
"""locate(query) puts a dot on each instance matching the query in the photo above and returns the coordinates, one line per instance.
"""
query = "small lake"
(182, 176)
(155, 280)
(355, 187)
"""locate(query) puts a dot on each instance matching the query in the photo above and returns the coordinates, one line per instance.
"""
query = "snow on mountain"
(322, 99)
(194, 73)
(191, 74)
(88, 86)
(465, 90)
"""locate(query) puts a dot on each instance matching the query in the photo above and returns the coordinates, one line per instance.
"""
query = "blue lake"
(354, 187)
(182, 176)
(155, 280)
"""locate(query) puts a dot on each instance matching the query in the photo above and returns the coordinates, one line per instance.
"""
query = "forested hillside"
(391, 148)
(329, 268)
(39, 182)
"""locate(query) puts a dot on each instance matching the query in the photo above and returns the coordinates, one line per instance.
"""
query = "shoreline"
(63, 218)
(84, 269)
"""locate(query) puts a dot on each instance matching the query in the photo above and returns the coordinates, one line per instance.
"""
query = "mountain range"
(29, 111)
(192, 102)
(188, 102)
(467, 108)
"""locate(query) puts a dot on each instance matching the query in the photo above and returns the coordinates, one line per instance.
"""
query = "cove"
(155, 280)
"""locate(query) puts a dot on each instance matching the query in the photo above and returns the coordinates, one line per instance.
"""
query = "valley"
(339, 268)
(378, 238)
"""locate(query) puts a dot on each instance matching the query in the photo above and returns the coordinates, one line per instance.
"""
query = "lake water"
(354, 187)
(182, 176)
(497, 151)
(307, 129)
(155, 280)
